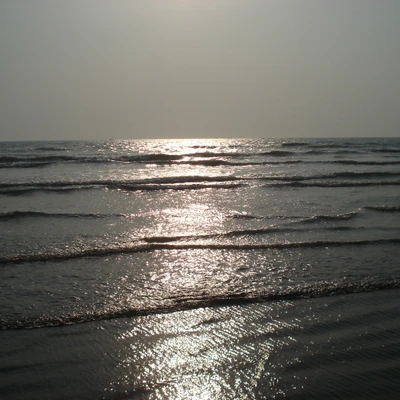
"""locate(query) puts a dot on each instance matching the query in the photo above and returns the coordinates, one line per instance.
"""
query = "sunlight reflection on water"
(206, 353)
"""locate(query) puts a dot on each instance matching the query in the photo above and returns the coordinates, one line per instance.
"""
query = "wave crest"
(165, 243)
(200, 300)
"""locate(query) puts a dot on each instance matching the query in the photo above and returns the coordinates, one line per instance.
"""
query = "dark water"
(200, 269)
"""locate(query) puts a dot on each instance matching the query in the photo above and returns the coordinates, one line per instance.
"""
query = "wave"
(196, 179)
(334, 175)
(18, 214)
(26, 165)
(145, 187)
(386, 150)
(220, 162)
(49, 158)
(289, 150)
(245, 215)
(205, 147)
(249, 232)
(132, 188)
(178, 187)
(335, 184)
(316, 218)
(235, 215)
(34, 214)
(340, 217)
(167, 183)
(201, 300)
(294, 144)
(6, 159)
(383, 208)
(210, 162)
(243, 232)
(155, 158)
(150, 245)
(50, 148)
(149, 158)
(144, 158)
(111, 183)
(277, 153)
(347, 152)
(23, 191)
(329, 146)
(358, 175)
(356, 162)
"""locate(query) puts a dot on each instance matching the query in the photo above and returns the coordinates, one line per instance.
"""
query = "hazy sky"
(99, 69)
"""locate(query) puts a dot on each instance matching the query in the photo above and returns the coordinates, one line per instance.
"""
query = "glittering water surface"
(201, 269)
(332, 347)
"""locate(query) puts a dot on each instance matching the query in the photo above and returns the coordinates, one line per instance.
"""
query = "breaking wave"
(336, 179)
(18, 214)
(172, 183)
(167, 243)
(201, 299)
(208, 162)
(339, 217)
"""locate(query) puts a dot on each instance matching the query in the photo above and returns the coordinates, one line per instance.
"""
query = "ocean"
(200, 269)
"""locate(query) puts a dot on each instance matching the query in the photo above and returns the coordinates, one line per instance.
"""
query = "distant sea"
(200, 269)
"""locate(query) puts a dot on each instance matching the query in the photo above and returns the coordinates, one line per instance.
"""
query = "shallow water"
(336, 347)
(215, 269)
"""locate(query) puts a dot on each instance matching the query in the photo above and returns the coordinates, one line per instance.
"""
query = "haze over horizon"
(199, 68)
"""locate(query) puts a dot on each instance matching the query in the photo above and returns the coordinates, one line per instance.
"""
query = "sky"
(100, 69)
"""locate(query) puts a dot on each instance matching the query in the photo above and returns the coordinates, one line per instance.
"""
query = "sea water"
(200, 269)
